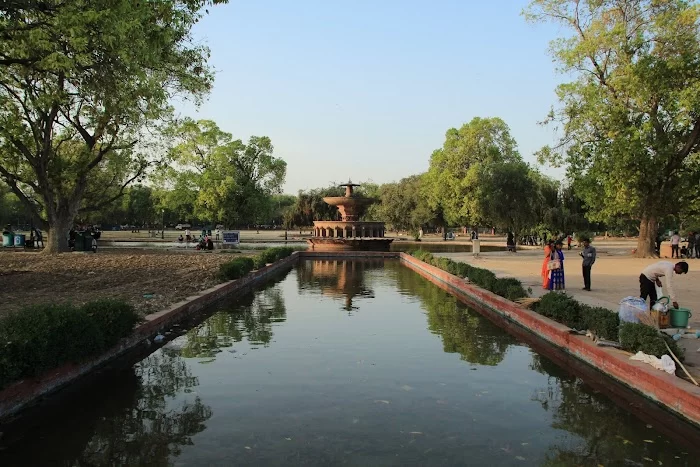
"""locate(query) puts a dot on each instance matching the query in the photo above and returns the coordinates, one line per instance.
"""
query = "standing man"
(588, 255)
(651, 277)
(568, 242)
(675, 245)
(691, 245)
(697, 244)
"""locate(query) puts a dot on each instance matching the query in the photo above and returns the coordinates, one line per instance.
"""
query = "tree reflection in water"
(462, 330)
(134, 418)
(250, 318)
(609, 434)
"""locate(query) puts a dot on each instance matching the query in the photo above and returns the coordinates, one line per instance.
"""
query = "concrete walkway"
(615, 276)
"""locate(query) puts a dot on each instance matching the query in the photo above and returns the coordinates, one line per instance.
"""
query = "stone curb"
(675, 394)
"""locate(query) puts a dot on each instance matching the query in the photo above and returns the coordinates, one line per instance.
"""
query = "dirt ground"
(149, 279)
(615, 276)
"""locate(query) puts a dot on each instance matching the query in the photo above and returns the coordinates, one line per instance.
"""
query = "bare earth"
(28, 278)
(615, 276)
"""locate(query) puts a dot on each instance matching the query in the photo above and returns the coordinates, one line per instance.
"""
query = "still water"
(359, 363)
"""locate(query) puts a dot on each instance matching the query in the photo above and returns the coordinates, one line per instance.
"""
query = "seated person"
(180, 239)
(684, 251)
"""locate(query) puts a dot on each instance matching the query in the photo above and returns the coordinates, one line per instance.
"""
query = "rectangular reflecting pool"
(360, 363)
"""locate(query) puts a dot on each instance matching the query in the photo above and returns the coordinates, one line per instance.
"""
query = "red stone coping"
(676, 394)
(28, 392)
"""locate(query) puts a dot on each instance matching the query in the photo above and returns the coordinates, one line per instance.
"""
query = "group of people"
(690, 250)
(204, 242)
(553, 272)
(553, 264)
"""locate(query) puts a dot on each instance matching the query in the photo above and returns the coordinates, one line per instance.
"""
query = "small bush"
(272, 254)
(116, 319)
(236, 268)
(601, 321)
(635, 337)
(562, 309)
(39, 338)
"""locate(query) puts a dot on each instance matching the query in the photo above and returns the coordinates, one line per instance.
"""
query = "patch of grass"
(38, 338)
(635, 337)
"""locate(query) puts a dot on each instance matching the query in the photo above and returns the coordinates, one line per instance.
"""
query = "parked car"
(182, 226)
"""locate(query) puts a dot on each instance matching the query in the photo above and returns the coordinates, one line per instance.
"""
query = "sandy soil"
(615, 276)
(28, 278)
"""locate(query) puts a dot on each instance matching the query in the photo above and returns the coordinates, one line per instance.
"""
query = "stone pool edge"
(675, 394)
(28, 392)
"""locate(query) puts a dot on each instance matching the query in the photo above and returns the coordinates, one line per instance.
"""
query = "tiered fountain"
(349, 233)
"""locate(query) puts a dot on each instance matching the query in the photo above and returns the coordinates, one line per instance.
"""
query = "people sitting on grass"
(180, 239)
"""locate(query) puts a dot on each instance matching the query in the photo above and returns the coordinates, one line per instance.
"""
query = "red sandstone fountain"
(350, 233)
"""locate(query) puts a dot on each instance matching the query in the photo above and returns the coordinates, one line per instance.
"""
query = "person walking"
(691, 245)
(568, 242)
(651, 277)
(588, 255)
(556, 276)
(697, 244)
(675, 245)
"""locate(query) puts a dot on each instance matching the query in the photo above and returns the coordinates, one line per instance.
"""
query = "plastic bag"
(630, 307)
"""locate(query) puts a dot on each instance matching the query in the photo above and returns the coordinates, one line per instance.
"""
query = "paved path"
(615, 276)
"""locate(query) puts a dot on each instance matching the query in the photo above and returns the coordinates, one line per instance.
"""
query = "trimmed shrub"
(509, 288)
(562, 309)
(635, 337)
(603, 322)
(116, 319)
(272, 254)
(236, 268)
(39, 338)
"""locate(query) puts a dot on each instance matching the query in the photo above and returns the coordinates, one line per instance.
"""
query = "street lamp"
(162, 222)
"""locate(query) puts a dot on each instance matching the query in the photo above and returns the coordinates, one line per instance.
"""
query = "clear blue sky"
(366, 89)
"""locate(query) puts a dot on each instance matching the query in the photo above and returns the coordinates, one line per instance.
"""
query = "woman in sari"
(556, 276)
(548, 249)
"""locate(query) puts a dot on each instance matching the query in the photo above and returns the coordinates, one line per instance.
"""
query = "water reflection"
(340, 279)
(249, 318)
(134, 417)
(462, 330)
(610, 435)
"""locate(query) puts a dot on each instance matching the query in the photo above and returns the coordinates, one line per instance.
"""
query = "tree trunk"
(646, 244)
(57, 241)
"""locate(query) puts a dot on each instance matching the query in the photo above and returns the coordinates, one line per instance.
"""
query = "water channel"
(360, 363)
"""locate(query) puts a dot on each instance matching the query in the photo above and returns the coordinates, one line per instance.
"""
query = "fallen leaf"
(626, 441)
(288, 439)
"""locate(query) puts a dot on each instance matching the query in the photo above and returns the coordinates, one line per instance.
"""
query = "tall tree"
(510, 198)
(453, 185)
(80, 82)
(631, 119)
(403, 205)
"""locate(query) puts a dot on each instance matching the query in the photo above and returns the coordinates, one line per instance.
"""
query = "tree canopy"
(82, 84)
(630, 119)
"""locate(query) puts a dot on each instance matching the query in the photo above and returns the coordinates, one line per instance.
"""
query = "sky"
(365, 90)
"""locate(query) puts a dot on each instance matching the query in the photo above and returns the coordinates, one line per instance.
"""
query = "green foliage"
(636, 337)
(39, 338)
(115, 318)
(564, 309)
(509, 288)
(630, 118)
(225, 179)
(453, 181)
(239, 267)
(236, 268)
(85, 87)
(404, 206)
(273, 254)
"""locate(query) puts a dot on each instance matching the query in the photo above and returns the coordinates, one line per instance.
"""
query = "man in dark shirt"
(588, 255)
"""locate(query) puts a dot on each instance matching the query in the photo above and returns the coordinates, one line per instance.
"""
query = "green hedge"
(239, 267)
(39, 338)
(509, 288)
(636, 336)
(564, 309)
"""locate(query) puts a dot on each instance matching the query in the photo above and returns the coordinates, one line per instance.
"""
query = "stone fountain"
(349, 233)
